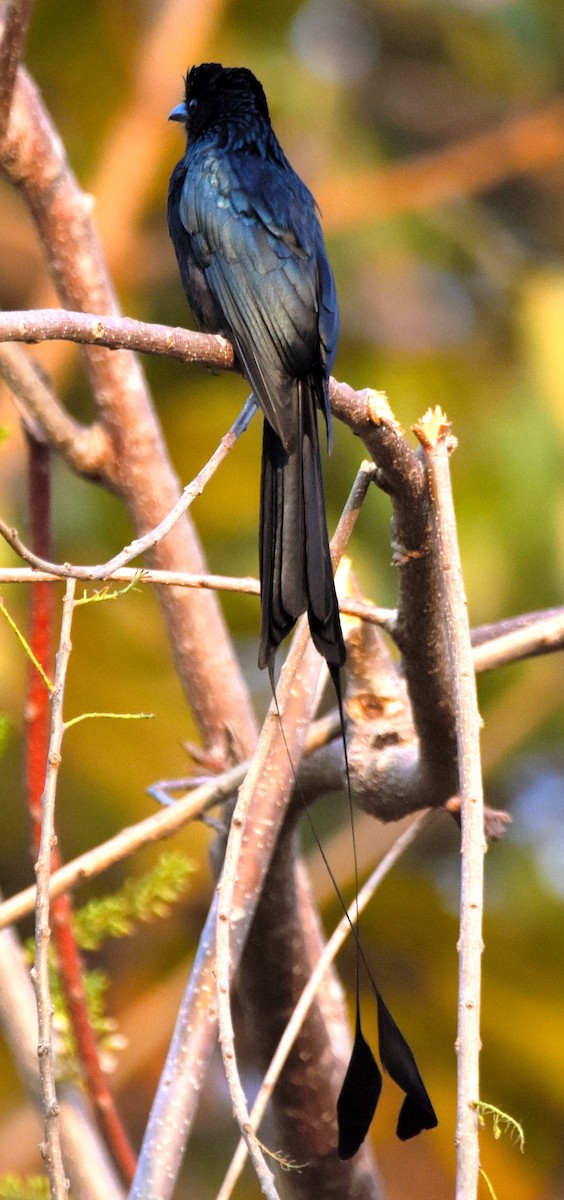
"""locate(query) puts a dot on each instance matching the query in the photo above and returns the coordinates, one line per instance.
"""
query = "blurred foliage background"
(451, 286)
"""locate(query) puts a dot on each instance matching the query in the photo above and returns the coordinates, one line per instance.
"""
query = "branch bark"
(14, 24)
(51, 1148)
(434, 432)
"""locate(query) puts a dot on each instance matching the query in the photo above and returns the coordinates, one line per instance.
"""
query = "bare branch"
(117, 333)
(180, 1084)
(516, 638)
(51, 1149)
(160, 825)
(433, 432)
(499, 644)
(245, 584)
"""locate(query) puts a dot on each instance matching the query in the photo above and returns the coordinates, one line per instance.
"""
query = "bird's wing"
(260, 248)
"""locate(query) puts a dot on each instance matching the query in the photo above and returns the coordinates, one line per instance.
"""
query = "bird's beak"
(179, 113)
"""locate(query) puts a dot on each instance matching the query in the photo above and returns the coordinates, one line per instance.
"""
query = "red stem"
(37, 743)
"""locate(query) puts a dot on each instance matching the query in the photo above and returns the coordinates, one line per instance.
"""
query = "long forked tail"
(296, 574)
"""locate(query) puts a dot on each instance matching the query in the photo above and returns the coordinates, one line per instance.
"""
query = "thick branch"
(419, 628)
(116, 333)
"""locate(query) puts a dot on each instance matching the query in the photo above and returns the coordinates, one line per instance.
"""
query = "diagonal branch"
(262, 804)
(196, 1027)
(153, 536)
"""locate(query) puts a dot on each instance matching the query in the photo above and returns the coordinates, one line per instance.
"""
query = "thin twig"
(155, 535)
(330, 951)
(498, 644)
(433, 432)
(245, 584)
(26, 646)
(51, 1148)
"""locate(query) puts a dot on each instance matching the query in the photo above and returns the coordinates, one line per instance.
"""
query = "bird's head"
(218, 96)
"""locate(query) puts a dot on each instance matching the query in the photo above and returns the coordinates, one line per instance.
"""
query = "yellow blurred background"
(432, 134)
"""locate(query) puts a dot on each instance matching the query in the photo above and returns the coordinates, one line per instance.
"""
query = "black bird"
(254, 268)
(253, 264)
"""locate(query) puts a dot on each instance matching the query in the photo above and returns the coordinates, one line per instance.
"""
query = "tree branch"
(116, 333)
(14, 24)
(51, 1149)
(433, 432)
(515, 638)
(499, 644)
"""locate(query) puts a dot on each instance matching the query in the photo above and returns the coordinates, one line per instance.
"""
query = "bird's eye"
(192, 105)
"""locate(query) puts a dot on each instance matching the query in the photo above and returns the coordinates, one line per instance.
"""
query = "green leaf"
(138, 901)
